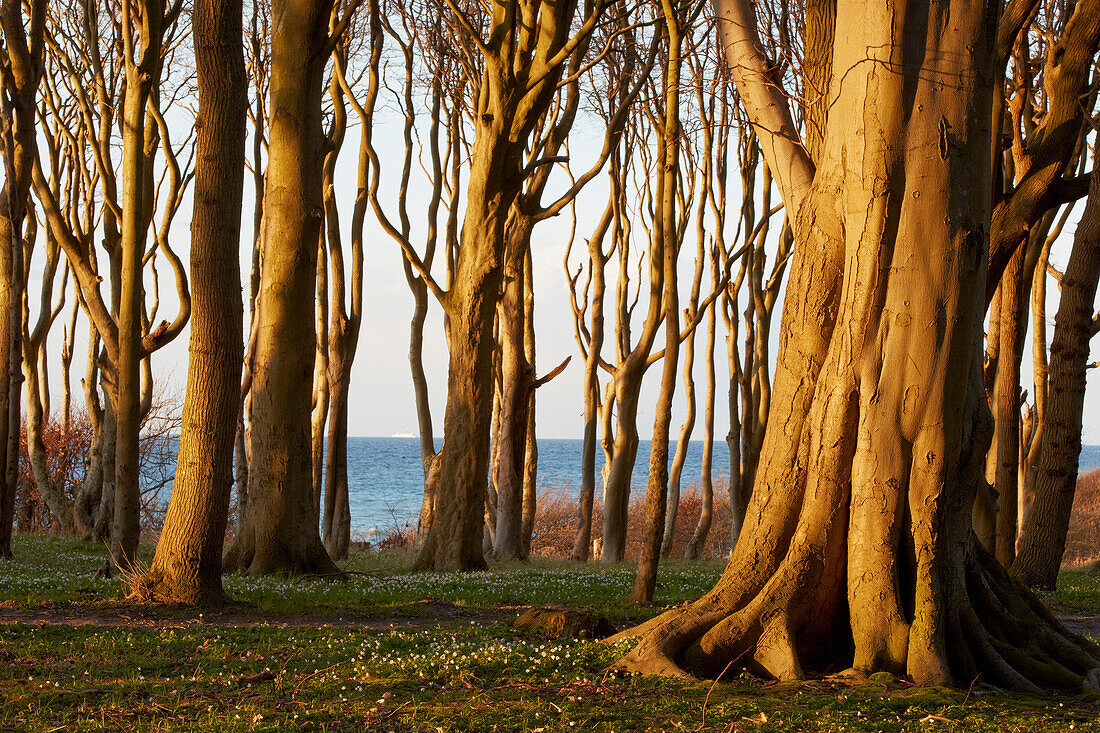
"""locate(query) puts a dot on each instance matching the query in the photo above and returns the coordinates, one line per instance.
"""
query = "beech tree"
(279, 530)
(21, 63)
(521, 64)
(187, 566)
(139, 48)
(858, 548)
(1043, 536)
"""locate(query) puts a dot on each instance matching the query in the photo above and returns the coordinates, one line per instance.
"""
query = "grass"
(372, 654)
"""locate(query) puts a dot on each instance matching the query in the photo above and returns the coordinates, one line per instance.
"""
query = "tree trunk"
(187, 567)
(23, 50)
(694, 549)
(665, 227)
(320, 405)
(858, 549)
(616, 486)
(1006, 404)
(141, 73)
(516, 386)
(10, 379)
(1043, 539)
(279, 532)
(455, 537)
(531, 449)
(682, 443)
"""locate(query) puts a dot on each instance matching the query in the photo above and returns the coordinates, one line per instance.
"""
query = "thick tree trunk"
(9, 378)
(279, 531)
(858, 549)
(455, 537)
(187, 567)
(1043, 539)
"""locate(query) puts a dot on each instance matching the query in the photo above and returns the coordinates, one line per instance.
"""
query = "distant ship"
(402, 435)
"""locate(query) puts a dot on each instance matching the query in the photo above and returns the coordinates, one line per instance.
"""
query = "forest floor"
(387, 650)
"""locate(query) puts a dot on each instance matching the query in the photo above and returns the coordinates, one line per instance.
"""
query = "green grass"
(369, 654)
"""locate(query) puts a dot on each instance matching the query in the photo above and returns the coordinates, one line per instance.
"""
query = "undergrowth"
(387, 650)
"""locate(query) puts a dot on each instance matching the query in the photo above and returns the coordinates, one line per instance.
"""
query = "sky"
(382, 402)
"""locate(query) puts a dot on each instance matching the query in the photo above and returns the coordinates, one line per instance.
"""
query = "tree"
(1043, 539)
(187, 566)
(521, 64)
(858, 548)
(279, 526)
(20, 74)
(120, 203)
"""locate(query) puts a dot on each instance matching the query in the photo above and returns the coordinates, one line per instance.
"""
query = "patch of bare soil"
(1080, 624)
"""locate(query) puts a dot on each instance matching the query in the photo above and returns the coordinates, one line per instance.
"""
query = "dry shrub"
(66, 451)
(67, 457)
(556, 522)
(1083, 537)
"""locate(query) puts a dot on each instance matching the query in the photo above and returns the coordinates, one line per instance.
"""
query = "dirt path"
(420, 615)
(423, 614)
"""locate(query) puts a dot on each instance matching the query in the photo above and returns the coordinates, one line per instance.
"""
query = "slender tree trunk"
(140, 72)
(337, 517)
(694, 549)
(516, 386)
(1007, 406)
(319, 413)
(682, 443)
(984, 514)
(531, 451)
(279, 531)
(665, 227)
(1043, 540)
(23, 52)
(187, 567)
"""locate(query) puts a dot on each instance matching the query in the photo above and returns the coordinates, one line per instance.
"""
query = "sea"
(386, 482)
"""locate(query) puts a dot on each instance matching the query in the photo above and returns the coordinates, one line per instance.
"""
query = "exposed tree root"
(992, 631)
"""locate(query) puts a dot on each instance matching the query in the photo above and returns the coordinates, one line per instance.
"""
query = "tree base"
(308, 557)
(157, 587)
(989, 630)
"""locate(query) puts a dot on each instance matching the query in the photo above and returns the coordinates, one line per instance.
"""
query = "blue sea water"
(385, 480)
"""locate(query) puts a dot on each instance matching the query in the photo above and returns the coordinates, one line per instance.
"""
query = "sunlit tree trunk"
(665, 230)
(279, 530)
(518, 81)
(858, 549)
(694, 549)
(1006, 405)
(343, 332)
